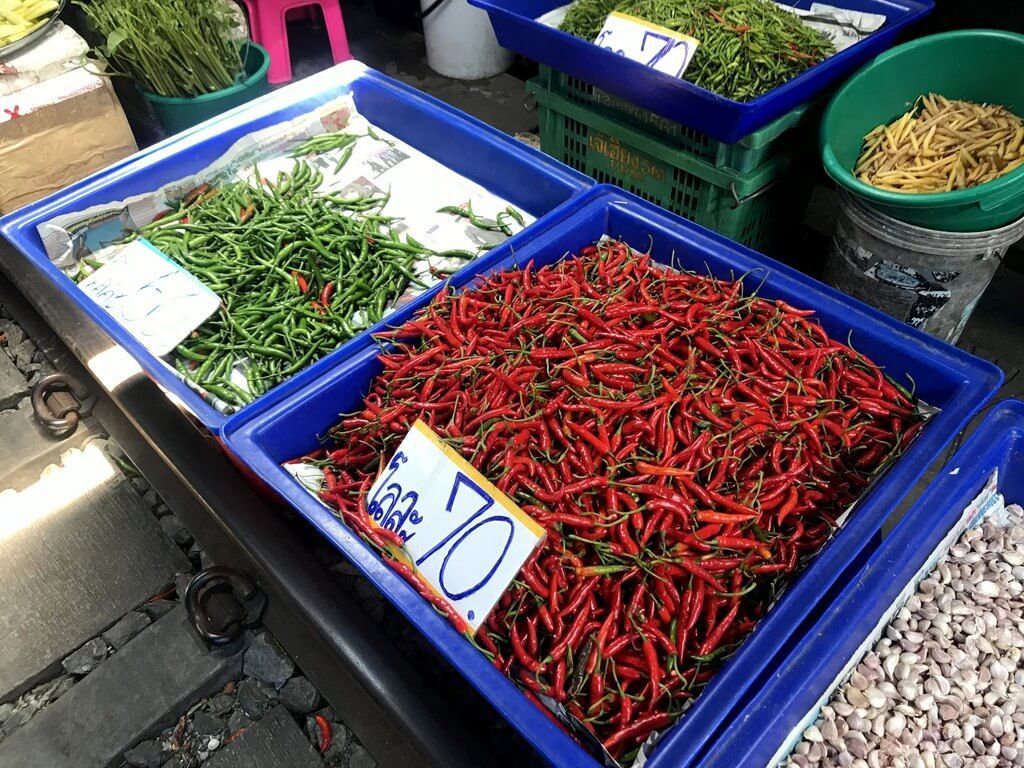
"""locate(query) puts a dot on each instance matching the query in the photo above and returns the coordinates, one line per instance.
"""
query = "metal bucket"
(927, 278)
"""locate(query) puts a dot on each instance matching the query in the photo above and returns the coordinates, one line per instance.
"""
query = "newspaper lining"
(417, 186)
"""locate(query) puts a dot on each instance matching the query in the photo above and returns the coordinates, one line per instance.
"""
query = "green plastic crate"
(751, 208)
(784, 135)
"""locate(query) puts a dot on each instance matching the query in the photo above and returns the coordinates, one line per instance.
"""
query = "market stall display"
(931, 197)
(293, 428)
(924, 642)
(747, 47)
(189, 58)
(941, 145)
(275, 254)
(916, 668)
(886, 88)
(177, 113)
(668, 432)
(342, 210)
(378, 303)
(522, 25)
(171, 47)
(464, 160)
(751, 187)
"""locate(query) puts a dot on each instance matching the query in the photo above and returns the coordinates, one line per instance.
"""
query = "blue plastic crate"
(790, 694)
(526, 177)
(516, 27)
(947, 377)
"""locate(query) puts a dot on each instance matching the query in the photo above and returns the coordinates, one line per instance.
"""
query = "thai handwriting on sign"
(156, 300)
(389, 506)
(662, 49)
(464, 536)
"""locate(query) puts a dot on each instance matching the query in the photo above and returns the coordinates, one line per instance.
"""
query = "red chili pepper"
(521, 655)
(323, 733)
(246, 213)
(648, 419)
(737, 542)
(791, 310)
(533, 580)
(625, 711)
(579, 595)
(726, 518)
(715, 637)
(637, 729)
(325, 295)
(687, 564)
(651, 657)
(573, 634)
(617, 645)
(788, 506)
(600, 445)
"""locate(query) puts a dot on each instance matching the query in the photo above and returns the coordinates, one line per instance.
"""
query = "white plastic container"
(929, 279)
(461, 43)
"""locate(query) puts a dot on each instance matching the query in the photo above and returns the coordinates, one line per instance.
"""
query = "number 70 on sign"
(657, 47)
(465, 537)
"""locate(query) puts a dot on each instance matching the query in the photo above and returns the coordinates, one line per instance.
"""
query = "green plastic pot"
(978, 65)
(176, 113)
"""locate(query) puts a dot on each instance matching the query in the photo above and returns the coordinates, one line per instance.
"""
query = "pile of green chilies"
(686, 447)
(747, 47)
(298, 273)
(168, 47)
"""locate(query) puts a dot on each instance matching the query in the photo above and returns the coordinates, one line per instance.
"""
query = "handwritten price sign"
(464, 536)
(157, 301)
(657, 47)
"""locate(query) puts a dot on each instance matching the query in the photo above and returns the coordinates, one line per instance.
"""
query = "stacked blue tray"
(946, 377)
(528, 179)
(516, 27)
(773, 719)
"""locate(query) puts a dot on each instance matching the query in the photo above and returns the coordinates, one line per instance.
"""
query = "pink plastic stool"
(304, 12)
(267, 19)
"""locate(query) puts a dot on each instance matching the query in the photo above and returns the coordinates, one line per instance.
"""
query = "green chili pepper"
(747, 47)
(264, 319)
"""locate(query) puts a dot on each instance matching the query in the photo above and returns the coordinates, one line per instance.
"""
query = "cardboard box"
(58, 131)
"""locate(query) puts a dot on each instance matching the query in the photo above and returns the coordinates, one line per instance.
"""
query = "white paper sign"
(464, 536)
(156, 300)
(662, 49)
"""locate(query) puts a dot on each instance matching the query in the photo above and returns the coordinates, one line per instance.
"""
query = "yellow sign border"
(644, 23)
(452, 455)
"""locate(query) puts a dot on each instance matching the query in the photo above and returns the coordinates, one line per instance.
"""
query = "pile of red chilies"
(685, 446)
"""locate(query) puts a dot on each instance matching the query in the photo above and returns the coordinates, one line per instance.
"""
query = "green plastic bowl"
(176, 113)
(979, 65)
